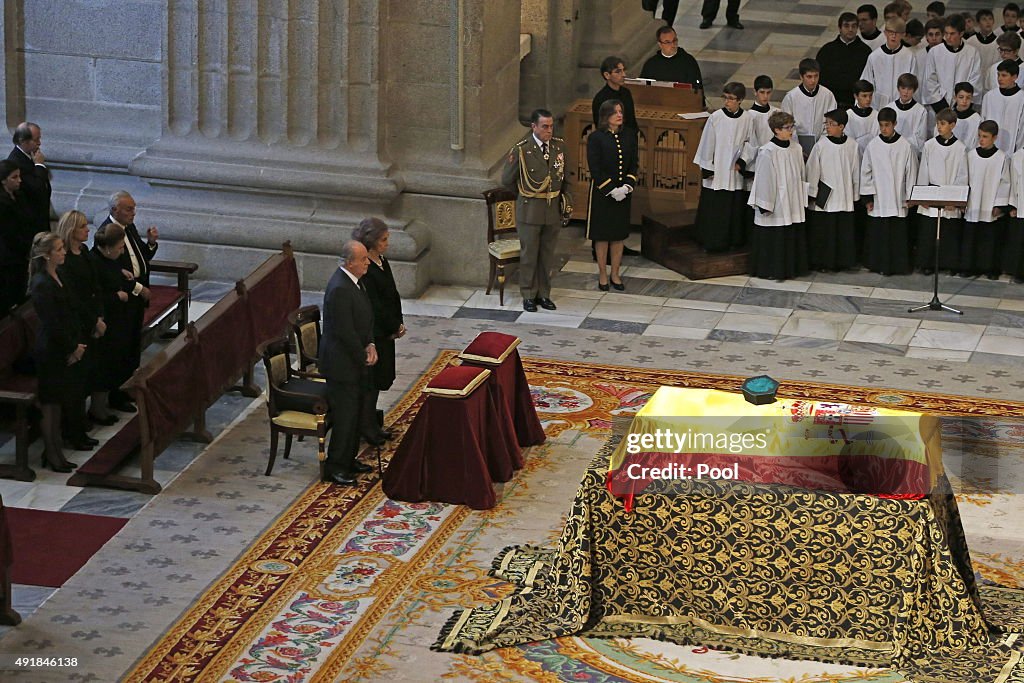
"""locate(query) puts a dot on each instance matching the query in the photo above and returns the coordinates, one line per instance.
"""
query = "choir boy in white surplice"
(808, 103)
(967, 117)
(1009, 48)
(778, 243)
(867, 20)
(723, 155)
(887, 63)
(984, 41)
(761, 109)
(911, 116)
(988, 174)
(863, 120)
(1011, 14)
(943, 162)
(1005, 106)
(833, 183)
(1013, 262)
(949, 63)
(887, 175)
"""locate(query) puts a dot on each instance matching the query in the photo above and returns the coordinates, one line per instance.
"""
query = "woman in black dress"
(59, 344)
(612, 158)
(120, 311)
(387, 322)
(79, 275)
(16, 233)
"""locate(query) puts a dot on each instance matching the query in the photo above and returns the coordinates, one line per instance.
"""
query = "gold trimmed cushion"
(310, 340)
(295, 420)
(491, 348)
(457, 381)
(504, 248)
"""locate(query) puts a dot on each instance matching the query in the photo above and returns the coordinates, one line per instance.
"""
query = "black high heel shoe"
(618, 286)
(64, 467)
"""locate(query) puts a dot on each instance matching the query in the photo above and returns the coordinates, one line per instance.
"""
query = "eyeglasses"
(674, 41)
(1005, 51)
(789, 127)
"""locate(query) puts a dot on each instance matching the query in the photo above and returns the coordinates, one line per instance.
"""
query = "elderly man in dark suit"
(135, 260)
(346, 351)
(35, 177)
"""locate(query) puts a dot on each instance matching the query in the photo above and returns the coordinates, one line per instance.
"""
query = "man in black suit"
(345, 353)
(35, 177)
(135, 261)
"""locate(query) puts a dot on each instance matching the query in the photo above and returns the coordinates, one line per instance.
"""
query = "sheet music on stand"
(658, 84)
(940, 193)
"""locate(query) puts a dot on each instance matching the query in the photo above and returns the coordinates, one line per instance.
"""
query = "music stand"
(938, 197)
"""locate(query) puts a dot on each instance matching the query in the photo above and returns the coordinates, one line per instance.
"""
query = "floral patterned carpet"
(347, 585)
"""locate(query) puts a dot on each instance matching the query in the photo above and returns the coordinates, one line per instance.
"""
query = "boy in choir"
(1013, 261)
(932, 34)
(935, 10)
(911, 116)
(1005, 106)
(967, 117)
(888, 62)
(778, 243)
(984, 41)
(1011, 14)
(943, 162)
(833, 183)
(723, 154)
(970, 26)
(1008, 47)
(887, 175)
(761, 109)
(867, 19)
(948, 64)
(863, 120)
(988, 174)
(808, 103)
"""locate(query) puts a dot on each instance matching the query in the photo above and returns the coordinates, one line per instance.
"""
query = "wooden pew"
(174, 389)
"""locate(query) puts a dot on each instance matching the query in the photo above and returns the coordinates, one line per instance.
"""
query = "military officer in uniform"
(535, 168)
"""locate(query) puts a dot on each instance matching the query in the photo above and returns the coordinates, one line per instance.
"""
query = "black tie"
(544, 150)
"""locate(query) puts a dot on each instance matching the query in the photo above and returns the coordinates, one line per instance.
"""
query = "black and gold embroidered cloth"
(768, 570)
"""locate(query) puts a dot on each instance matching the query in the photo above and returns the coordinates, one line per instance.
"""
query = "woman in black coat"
(78, 273)
(612, 159)
(60, 345)
(120, 311)
(387, 322)
(16, 233)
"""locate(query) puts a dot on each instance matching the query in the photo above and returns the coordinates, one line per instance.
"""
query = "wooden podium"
(669, 181)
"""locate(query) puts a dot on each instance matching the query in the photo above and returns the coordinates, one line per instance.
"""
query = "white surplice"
(838, 166)
(779, 185)
(809, 110)
(1008, 112)
(942, 163)
(990, 185)
(724, 141)
(883, 69)
(888, 172)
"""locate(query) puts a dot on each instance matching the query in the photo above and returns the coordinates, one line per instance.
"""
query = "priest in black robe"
(671, 63)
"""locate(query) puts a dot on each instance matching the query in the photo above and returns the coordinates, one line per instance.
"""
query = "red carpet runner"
(49, 547)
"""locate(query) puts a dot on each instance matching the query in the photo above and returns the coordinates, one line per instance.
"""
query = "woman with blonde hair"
(79, 275)
(60, 345)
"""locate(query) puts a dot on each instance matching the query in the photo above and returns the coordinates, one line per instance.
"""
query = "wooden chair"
(305, 325)
(297, 404)
(502, 243)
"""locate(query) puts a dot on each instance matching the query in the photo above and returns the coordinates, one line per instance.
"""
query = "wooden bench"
(174, 389)
(168, 309)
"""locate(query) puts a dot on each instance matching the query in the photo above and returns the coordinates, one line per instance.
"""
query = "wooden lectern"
(669, 181)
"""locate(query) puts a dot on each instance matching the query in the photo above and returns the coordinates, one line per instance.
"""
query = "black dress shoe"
(736, 25)
(360, 468)
(603, 288)
(124, 407)
(706, 23)
(387, 434)
(103, 421)
(340, 478)
(547, 304)
(374, 440)
(529, 305)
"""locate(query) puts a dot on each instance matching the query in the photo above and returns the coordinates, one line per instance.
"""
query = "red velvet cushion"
(161, 298)
(457, 380)
(490, 347)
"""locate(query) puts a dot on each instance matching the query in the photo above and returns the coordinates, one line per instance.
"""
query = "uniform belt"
(540, 195)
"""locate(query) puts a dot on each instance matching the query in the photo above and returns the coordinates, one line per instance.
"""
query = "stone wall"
(238, 124)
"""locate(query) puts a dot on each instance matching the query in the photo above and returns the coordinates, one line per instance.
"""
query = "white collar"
(115, 221)
(351, 277)
(540, 145)
(669, 56)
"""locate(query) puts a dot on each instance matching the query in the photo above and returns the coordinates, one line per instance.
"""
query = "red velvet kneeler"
(458, 445)
(498, 352)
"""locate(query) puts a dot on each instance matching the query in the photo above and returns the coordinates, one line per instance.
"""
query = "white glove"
(618, 194)
(627, 188)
